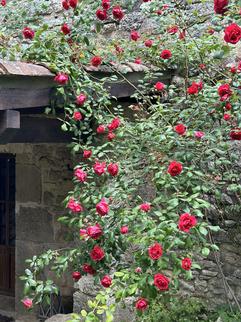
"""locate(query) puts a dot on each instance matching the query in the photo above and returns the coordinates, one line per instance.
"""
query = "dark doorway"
(7, 224)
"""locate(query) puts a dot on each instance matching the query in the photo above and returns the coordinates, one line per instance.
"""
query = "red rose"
(87, 154)
(114, 124)
(193, 89)
(138, 61)
(220, 6)
(80, 100)
(88, 269)
(117, 13)
(159, 12)
(73, 3)
(106, 4)
(175, 168)
(101, 14)
(159, 86)
(100, 129)
(124, 230)
(232, 33)
(83, 233)
(186, 222)
(76, 276)
(113, 169)
(199, 134)
(119, 49)
(235, 134)
(97, 253)
(149, 43)
(77, 116)
(141, 304)
(96, 61)
(138, 270)
(172, 30)
(28, 33)
(28, 303)
(155, 251)
(182, 35)
(180, 129)
(65, 5)
(99, 168)
(233, 70)
(135, 35)
(102, 208)
(61, 78)
(145, 207)
(211, 31)
(161, 282)
(226, 117)
(106, 281)
(166, 54)
(186, 263)
(94, 232)
(228, 106)
(65, 29)
(75, 206)
(111, 136)
(3, 3)
(80, 175)
(224, 91)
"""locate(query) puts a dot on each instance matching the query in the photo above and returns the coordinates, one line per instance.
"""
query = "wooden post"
(9, 121)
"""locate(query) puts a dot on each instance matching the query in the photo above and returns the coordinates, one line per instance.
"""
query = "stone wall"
(43, 178)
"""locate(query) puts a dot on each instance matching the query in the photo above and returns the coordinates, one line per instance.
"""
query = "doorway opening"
(7, 223)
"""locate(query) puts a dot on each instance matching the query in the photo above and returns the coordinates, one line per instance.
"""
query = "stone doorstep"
(7, 303)
(9, 314)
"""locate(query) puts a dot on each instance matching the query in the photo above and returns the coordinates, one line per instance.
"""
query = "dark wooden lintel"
(36, 129)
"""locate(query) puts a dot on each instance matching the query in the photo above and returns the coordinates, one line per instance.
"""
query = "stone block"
(34, 224)
(28, 183)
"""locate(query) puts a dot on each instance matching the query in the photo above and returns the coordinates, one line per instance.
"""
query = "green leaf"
(203, 230)
(83, 313)
(64, 127)
(205, 251)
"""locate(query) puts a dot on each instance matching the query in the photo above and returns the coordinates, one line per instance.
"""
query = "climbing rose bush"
(178, 143)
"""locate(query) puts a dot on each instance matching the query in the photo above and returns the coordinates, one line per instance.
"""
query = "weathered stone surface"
(60, 318)
(34, 224)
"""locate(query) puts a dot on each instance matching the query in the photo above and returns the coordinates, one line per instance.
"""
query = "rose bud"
(124, 230)
(80, 100)
(28, 303)
(28, 33)
(76, 276)
(159, 86)
(106, 281)
(65, 29)
(61, 78)
(135, 35)
(117, 13)
(145, 207)
(96, 61)
(87, 154)
(77, 116)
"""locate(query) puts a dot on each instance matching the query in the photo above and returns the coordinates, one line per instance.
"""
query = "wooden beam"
(36, 129)
(17, 98)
